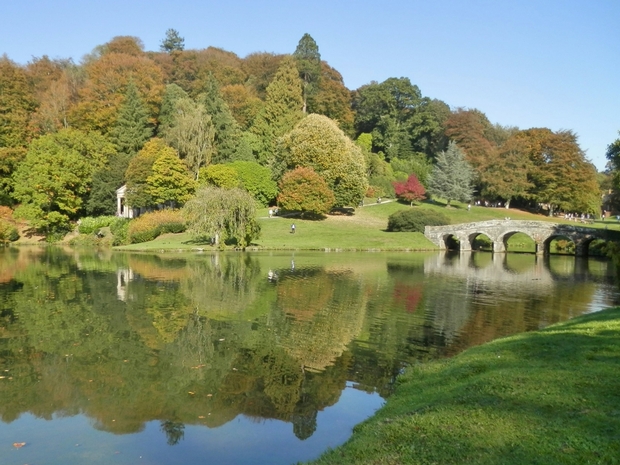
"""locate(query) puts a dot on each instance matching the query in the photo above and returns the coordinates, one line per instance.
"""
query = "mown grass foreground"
(546, 397)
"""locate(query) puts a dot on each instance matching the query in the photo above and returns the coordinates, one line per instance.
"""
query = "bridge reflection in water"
(510, 283)
(499, 231)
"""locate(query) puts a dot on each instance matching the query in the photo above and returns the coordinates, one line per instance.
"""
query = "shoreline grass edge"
(550, 396)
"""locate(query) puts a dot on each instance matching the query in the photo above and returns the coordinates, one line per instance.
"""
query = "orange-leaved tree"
(306, 191)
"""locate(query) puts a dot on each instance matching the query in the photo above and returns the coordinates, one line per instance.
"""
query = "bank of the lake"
(365, 230)
(549, 396)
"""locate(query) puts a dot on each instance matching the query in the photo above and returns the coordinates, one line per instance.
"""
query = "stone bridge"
(499, 231)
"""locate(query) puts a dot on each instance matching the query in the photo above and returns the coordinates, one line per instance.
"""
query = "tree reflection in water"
(201, 339)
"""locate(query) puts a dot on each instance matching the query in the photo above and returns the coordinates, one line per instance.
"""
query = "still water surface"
(245, 358)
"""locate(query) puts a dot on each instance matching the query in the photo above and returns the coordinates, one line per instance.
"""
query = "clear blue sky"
(525, 63)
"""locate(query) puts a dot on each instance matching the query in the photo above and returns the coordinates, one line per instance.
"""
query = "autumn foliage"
(410, 190)
(306, 191)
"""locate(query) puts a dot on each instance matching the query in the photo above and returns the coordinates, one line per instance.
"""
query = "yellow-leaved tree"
(317, 142)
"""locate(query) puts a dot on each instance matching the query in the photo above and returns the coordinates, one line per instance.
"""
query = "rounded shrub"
(414, 220)
(150, 225)
(8, 231)
(90, 225)
(120, 230)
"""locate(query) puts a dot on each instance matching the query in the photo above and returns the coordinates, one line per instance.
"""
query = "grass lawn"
(364, 230)
(546, 397)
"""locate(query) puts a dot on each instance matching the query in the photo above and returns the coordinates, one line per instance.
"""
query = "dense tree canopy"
(562, 177)
(317, 142)
(132, 128)
(52, 182)
(16, 104)
(213, 106)
(140, 169)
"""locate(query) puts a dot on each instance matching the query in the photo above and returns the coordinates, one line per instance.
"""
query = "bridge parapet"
(499, 231)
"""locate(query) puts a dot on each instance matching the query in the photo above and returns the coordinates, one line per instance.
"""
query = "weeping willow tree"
(222, 215)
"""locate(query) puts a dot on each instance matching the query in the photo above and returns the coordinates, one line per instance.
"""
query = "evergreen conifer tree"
(309, 65)
(452, 177)
(282, 110)
(230, 145)
(132, 128)
(172, 94)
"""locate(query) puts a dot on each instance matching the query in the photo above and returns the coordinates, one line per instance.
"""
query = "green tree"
(613, 153)
(132, 127)
(613, 157)
(172, 42)
(229, 143)
(170, 183)
(192, 134)
(10, 159)
(309, 66)
(256, 179)
(140, 169)
(172, 94)
(282, 110)
(52, 182)
(223, 215)
(452, 177)
(102, 199)
(305, 191)
(224, 176)
(386, 110)
(317, 142)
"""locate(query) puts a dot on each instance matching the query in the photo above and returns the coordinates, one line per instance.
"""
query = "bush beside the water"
(90, 225)
(414, 220)
(120, 231)
(8, 231)
(150, 225)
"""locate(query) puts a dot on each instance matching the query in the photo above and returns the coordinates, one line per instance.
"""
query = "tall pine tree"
(229, 141)
(132, 128)
(168, 107)
(309, 65)
(282, 110)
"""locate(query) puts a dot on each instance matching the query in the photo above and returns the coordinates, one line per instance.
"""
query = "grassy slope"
(365, 230)
(547, 397)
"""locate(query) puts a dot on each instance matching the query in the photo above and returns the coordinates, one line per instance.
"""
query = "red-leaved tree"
(411, 190)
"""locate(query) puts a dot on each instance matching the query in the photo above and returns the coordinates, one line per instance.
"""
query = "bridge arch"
(498, 231)
(479, 241)
(558, 238)
(505, 236)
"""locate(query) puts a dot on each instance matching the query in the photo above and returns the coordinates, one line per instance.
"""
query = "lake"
(245, 358)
